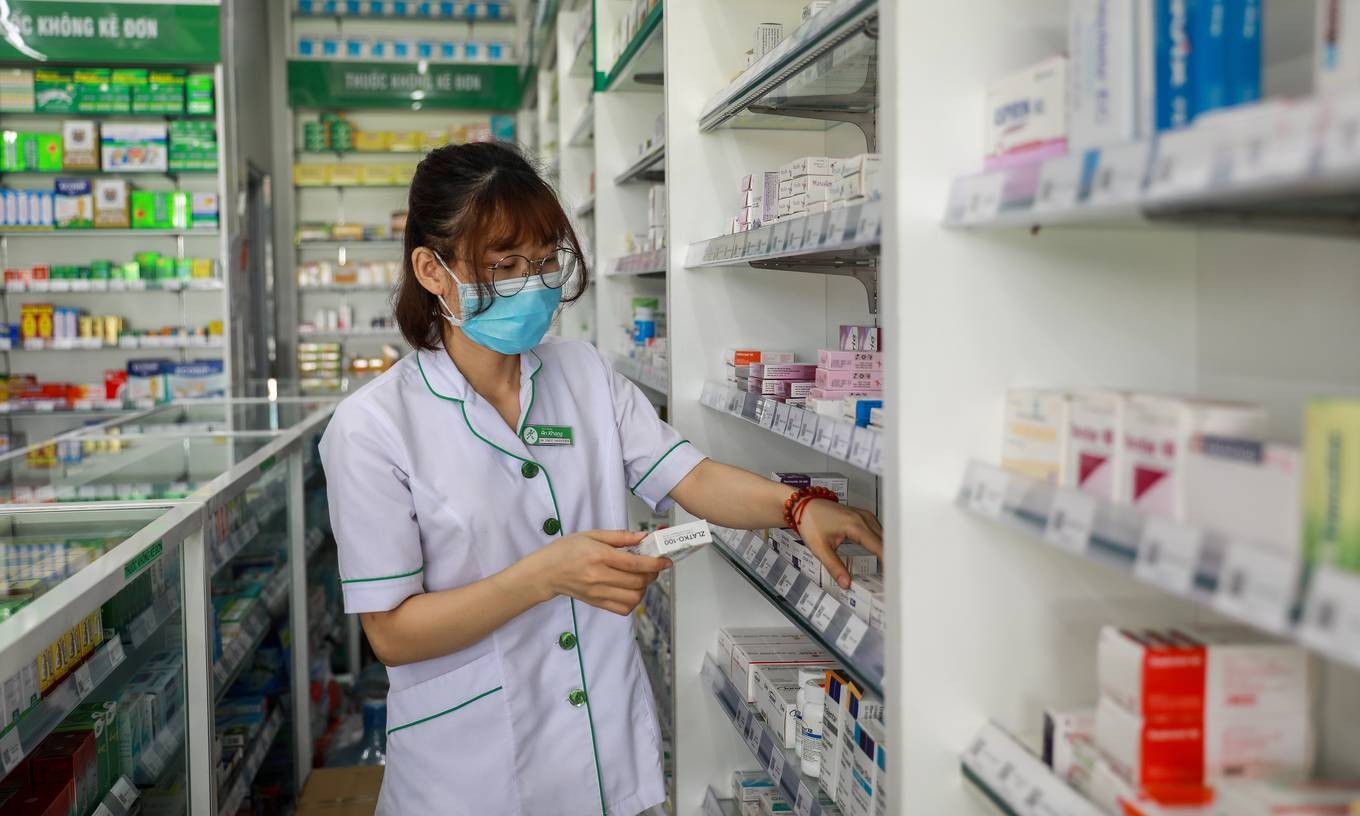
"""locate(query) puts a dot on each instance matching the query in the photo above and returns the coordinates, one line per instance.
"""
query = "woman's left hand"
(825, 524)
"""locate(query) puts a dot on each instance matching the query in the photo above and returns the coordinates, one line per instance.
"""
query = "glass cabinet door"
(216, 416)
(92, 659)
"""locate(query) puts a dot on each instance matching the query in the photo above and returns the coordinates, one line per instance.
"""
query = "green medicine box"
(163, 92)
(160, 210)
(1331, 483)
(199, 95)
(94, 90)
(54, 90)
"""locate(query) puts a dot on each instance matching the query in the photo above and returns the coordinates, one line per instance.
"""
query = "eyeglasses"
(510, 274)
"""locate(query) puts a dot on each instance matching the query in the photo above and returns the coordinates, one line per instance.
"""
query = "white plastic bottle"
(811, 706)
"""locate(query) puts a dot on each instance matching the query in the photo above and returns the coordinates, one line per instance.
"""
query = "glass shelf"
(49, 232)
(824, 73)
(104, 287)
(1006, 773)
(640, 264)
(649, 167)
(769, 752)
(715, 806)
(235, 416)
(644, 375)
(856, 645)
(1253, 584)
(331, 246)
(840, 439)
(641, 66)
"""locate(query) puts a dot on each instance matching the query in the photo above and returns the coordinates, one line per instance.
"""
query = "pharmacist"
(477, 493)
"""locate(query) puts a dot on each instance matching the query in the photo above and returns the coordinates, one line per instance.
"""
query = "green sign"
(145, 557)
(550, 435)
(413, 86)
(110, 32)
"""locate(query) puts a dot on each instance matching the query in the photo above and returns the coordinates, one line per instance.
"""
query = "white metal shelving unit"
(1209, 277)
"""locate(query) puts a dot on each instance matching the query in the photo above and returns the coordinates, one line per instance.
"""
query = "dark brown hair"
(466, 200)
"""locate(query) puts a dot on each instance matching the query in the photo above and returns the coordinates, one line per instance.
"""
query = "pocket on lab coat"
(449, 748)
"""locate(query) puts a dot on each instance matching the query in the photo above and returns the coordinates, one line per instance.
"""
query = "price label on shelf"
(84, 683)
(794, 426)
(849, 638)
(1331, 617)
(870, 219)
(11, 752)
(1119, 174)
(743, 720)
(840, 440)
(1257, 585)
(779, 238)
(802, 805)
(1275, 143)
(776, 764)
(797, 232)
(753, 736)
(59, 286)
(987, 491)
(1168, 554)
(807, 602)
(124, 792)
(1070, 521)
(983, 197)
(768, 409)
(807, 435)
(824, 613)
(835, 226)
(752, 548)
(876, 456)
(1059, 183)
(1191, 160)
(786, 580)
(102, 810)
(862, 447)
(814, 232)
(767, 563)
(825, 428)
(115, 650)
(781, 417)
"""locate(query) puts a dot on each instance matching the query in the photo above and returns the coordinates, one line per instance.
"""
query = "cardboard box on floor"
(341, 792)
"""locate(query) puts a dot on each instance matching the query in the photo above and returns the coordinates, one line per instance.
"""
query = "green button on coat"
(529, 470)
(577, 698)
(552, 526)
(567, 641)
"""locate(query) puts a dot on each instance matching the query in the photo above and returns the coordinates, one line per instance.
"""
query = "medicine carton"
(1102, 73)
(868, 735)
(867, 600)
(1251, 491)
(747, 658)
(748, 785)
(858, 707)
(1095, 443)
(810, 165)
(73, 204)
(782, 371)
(1027, 111)
(129, 147)
(1331, 483)
(837, 360)
(856, 381)
(79, 145)
(777, 700)
(729, 637)
(1036, 431)
(837, 483)
(1336, 47)
(1281, 797)
(676, 542)
(1158, 432)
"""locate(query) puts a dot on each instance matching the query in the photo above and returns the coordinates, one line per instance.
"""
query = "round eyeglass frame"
(509, 287)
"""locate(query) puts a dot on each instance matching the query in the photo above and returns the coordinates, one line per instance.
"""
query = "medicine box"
(810, 165)
(746, 658)
(134, 147)
(111, 203)
(1035, 439)
(748, 785)
(1027, 110)
(1102, 73)
(745, 357)
(79, 145)
(1095, 443)
(1157, 436)
(777, 700)
(676, 542)
(868, 600)
(1282, 797)
(832, 380)
(837, 483)
(1331, 484)
(730, 636)
(782, 371)
(1248, 490)
(73, 204)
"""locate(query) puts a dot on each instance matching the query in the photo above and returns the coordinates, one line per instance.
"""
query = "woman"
(477, 495)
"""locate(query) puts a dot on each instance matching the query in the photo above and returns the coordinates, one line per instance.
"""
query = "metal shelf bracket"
(862, 269)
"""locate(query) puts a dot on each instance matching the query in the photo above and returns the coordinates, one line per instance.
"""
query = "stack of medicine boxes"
(849, 380)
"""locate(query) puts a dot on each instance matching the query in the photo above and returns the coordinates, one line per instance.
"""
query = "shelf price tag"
(1258, 586)
(767, 563)
(1192, 160)
(797, 232)
(1331, 619)
(752, 548)
(870, 219)
(102, 810)
(11, 752)
(835, 226)
(1059, 183)
(781, 417)
(987, 491)
(862, 447)
(753, 735)
(983, 197)
(824, 613)
(807, 434)
(814, 234)
(840, 440)
(124, 792)
(1119, 174)
(1070, 521)
(807, 602)
(769, 409)
(779, 238)
(822, 441)
(1168, 554)
(84, 683)
(786, 580)
(849, 638)
(776, 765)
(876, 455)
(802, 805)
(794, 426)
(1279, 143)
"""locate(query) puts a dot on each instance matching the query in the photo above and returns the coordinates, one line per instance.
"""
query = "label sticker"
(785, 582)
(753, 735)
(987, 495)
(84, 683)
(802, 806)
(1258, 586)
(767, 563)
(824, 613)
(1331, 619)
(862, 447)
(849, 638)
(1070, 521)
(807, 603)
(776, 765)
(840, 440)
(11, 752)
(1167, 555)
(807, 435)
(822, 441)
(1059, 183)
(547, 435)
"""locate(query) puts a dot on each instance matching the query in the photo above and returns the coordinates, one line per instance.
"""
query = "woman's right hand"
(593, 568)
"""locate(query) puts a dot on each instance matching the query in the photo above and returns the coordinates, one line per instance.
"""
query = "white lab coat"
(429, 490)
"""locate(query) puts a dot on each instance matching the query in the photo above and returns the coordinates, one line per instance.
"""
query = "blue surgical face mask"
(510, 325)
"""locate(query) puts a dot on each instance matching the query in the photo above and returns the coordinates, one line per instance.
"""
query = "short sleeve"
(372, 514)
(655, 458)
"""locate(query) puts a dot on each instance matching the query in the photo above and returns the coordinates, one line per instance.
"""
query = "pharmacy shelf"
(587, 208)
(91, 344)
(346, 334)
(1289, 167)
(159, 174)
(121, 800)
(1018, 783)
(238, 652)
(640, 264)
(104, 287)
(781, 763)
(275, 592)
(82, 408)
(347, 287)
(33, 726)
(843, 241)
(649, 167)
(332, 246)
(823, 73)
(653, 379)
(257, 515)
(250, 766)
(142, 628)
(1257, 586)
(840, 439)
(857, 646)
(153, 761)
(163, 117)
(715, 806)
(641, 65)
(583, 132)
(340, 16)
(50, 232)
(403, 186)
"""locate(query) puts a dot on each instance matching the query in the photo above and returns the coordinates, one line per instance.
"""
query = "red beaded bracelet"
(794, 504)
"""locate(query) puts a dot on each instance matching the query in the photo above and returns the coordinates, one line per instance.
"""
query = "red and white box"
(745, 357)
(1095, 443)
